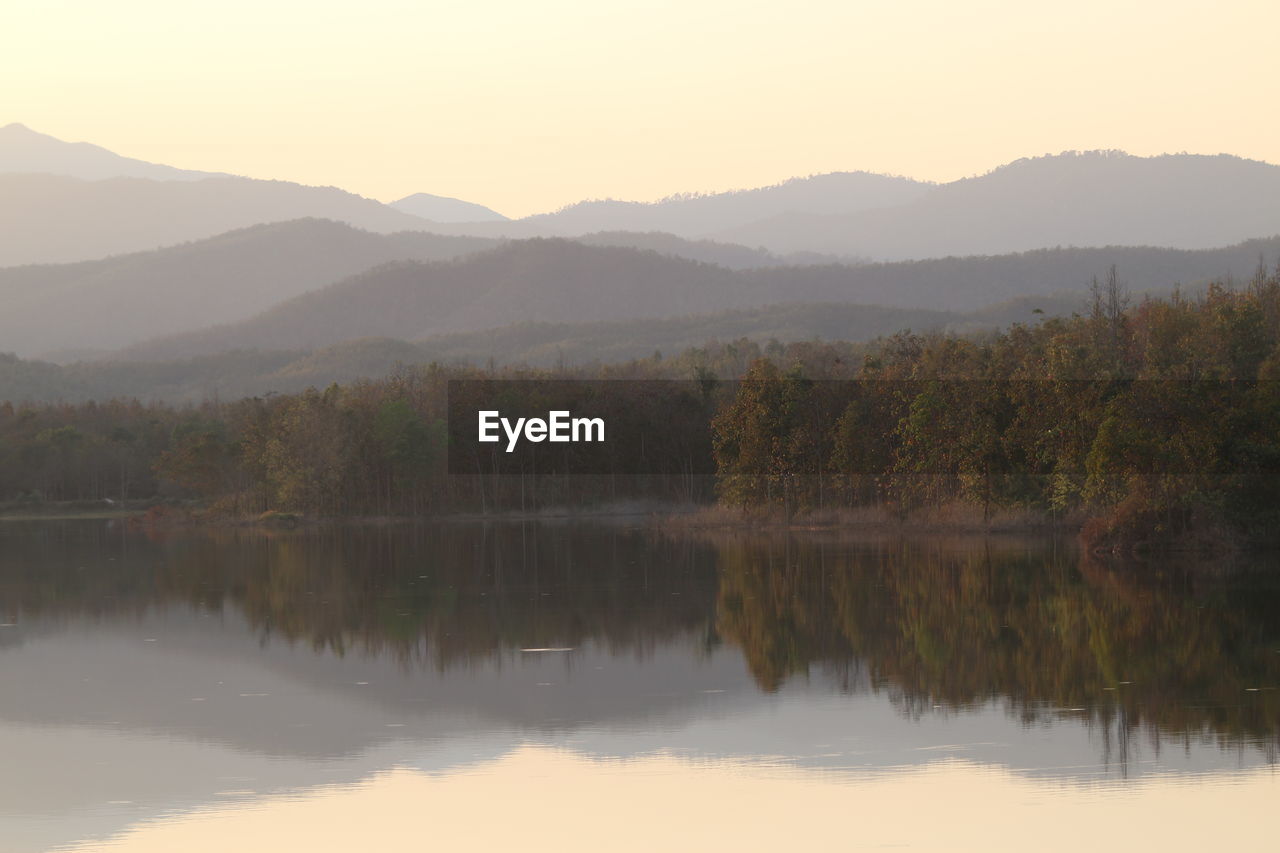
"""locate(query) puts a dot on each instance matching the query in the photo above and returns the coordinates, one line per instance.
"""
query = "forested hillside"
(1155, 420)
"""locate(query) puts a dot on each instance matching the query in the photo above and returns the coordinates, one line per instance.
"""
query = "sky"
(529, 105)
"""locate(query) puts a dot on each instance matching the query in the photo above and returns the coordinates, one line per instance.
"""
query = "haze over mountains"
(407, 313)
(23, 150)
(56, 219)
(317, 275)
(247, 372)
(64, 311)
(438, 208)
(563, 281)
(1082, 199)
(62, 202)
(701, 216)
(1087, 199)
(110, 303)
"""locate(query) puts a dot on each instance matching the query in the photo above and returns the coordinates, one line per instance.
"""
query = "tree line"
(1158, 419)
(1153, 419)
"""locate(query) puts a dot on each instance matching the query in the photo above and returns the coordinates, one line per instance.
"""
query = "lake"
(588, 687)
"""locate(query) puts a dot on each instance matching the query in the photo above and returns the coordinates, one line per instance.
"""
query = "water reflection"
(183, 672)
(660, 802)
(1046, 629)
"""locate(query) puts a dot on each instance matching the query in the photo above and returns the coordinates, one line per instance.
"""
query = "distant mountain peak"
(1115, 157)
(698, 215)
(799, 182)
(440, 208)
(1073, 198)
(27, 151)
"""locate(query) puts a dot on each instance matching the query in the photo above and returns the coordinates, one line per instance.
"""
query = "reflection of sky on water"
(537, 798)
(149, 686)
(115, 721)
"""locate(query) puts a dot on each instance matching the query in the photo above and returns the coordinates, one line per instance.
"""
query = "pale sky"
(527, 105)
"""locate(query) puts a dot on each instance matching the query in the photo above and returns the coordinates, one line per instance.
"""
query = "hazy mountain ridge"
(23, 150)
(106, 304)
(729, 255)
(1075, 199)
(110, 303)
(64, 202)
(249, 372)
(438, 208)
(308, 285)
(54, 219)
(702, 215)
(528, 280)
(560, 281)
(1083, 199)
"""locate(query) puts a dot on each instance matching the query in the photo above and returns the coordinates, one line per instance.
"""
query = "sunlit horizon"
(529, 108)
(695, 191)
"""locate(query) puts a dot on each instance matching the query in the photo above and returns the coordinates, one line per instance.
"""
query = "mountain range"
(710, 215)
(406, 313)
(23, 150)
(57, 219)
(553, 280)
(63, 202)
(110, 303)
(107, 257)
(1077, 199)
(1074, 199)
(248, 372)
(84, 309)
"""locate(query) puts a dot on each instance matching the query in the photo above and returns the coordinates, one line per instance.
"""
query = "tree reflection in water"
(1175, 652)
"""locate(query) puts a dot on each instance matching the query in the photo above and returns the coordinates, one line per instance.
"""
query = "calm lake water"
(563, 687)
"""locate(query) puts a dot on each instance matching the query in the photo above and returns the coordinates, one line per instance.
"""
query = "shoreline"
(666, 516)
(947, 520)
